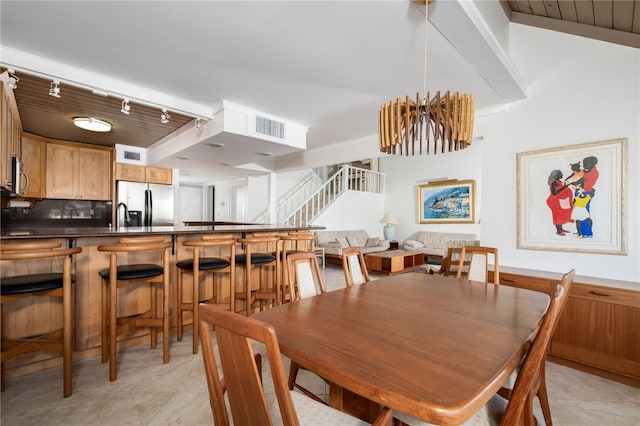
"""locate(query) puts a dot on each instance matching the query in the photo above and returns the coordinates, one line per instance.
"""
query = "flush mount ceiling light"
(126, 109)
(55, 89)
(445, 120)
(164, 117)
(92, 124)
(13, 80)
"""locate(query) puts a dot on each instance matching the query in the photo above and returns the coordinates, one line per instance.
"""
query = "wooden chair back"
(304, 276)
(520, 408)
(242, 378)
(354, 267)
(478, 267)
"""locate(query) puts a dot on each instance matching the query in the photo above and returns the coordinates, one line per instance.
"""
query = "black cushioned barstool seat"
(134, 272)
(256, 258)
(258, 249)
(206, 264)
(32, 283)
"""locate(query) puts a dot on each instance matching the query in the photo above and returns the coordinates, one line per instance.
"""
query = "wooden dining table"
(436, 348)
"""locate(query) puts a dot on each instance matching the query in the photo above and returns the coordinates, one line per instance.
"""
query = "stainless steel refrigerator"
(152, 202)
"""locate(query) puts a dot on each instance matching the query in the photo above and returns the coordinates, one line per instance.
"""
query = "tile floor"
(150, 393)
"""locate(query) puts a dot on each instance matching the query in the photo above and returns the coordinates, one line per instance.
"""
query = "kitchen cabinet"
(34, 165)
(598, 330)
(135, 173)
(76, 172)
(10, 133)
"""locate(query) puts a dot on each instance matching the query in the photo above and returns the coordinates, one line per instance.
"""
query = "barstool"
(294, 242)
(260, 251)
(198, 264)
(52, 284)
(118, 276)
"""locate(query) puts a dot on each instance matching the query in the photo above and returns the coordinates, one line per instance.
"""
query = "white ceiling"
(327, 65)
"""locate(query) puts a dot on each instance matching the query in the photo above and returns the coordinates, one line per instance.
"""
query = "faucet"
(126, 215)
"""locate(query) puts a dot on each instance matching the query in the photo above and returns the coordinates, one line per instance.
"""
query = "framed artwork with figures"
(572, 198)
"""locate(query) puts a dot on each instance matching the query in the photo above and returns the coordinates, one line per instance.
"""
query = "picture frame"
(572, 198)
(450, 201)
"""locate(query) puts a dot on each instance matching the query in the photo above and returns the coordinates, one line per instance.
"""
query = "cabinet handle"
(598, 293)
(509, 280)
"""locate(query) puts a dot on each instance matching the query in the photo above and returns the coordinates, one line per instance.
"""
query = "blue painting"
(447, 202)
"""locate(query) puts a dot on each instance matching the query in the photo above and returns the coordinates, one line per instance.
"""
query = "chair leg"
(105, 321)
(154, 311)
(179, 330)
(165, 308)
(196, 318)
(113, 327)
(543, 398)
(67, 348)
(293, 374)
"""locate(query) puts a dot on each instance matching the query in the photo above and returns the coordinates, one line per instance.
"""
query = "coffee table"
(394, 261)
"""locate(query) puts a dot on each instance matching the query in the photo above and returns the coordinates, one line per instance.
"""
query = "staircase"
(308, 198)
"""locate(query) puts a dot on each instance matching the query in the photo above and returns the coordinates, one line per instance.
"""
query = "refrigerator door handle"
(148, 207)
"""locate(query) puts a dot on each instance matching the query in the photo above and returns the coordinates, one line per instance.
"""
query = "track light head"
(126, 109)
(164, 117)
(55, 89)
(13, 80)
(198, 123)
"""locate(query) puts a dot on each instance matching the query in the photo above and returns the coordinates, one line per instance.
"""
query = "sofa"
(334, 241)
(437, 243)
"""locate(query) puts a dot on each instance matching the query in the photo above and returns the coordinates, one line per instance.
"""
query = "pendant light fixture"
(443, 122)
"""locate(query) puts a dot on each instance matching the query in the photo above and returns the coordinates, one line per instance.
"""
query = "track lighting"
(125, 107)
(198, 123)
(164, 117)
(13, 80)
(55, 89)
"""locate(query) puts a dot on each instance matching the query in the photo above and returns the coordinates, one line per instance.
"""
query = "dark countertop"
(84, 232)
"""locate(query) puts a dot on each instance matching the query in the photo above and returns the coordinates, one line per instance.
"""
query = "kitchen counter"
(82, 232)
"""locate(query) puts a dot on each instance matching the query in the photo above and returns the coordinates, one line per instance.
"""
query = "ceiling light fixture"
(55, 89)
(126, 109)
(13, 80)
(446, 120)
(198, 123)
(92, 124)
(164, 117)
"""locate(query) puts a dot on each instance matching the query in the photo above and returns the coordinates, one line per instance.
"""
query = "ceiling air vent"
(269, 127)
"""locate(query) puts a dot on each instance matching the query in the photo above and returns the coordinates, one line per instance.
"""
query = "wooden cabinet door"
(599, 328)
(10, 133)
(61, 171)
(159, 175)
(130, 172)
(34, 165)
(94, 174)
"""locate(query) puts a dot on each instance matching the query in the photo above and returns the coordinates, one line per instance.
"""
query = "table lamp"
(389, 230)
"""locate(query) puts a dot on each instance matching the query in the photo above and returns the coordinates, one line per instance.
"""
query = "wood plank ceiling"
(615, 21)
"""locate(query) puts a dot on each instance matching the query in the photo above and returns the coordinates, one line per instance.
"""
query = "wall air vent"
(269, 127)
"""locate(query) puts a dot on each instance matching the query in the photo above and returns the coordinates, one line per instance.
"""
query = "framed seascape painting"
(572, 198)
(447, 202)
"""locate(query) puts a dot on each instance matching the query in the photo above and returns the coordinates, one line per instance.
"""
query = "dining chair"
(354, 267)
(241, 377)
(46, 284)
(225, 244)
(518, 408)
(478, 268)
(306, 281)
(261, 253)
(294, 242)
(119, 276)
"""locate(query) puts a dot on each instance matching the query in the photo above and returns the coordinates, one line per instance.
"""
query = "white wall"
(354, 210)
(190, 203)
(580, 90)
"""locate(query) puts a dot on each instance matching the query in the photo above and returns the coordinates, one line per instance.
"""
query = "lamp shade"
(389, 219)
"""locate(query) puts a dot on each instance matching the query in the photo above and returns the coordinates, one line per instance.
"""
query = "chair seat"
(256, 258)
(206, 264)
(134, 272)
(31, 283)
(312, 412)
